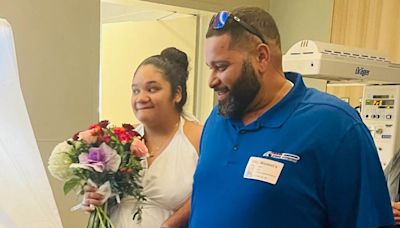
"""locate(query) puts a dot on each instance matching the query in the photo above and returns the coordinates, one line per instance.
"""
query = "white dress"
(167, 184)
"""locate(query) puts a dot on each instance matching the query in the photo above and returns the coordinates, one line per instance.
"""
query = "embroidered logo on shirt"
(283, 156)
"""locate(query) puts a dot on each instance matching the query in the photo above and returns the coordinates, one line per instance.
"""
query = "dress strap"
(181, 124)
(189, 116)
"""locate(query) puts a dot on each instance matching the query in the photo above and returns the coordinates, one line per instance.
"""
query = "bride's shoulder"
(192, 127)
(192, 130)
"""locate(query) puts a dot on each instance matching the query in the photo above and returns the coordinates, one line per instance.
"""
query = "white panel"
(26, 199)
(339, 63)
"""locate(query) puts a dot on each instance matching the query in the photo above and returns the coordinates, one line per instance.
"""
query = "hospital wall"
(303, 20)
(57, 46)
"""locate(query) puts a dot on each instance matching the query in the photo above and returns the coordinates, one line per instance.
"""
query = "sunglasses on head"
(220, 20)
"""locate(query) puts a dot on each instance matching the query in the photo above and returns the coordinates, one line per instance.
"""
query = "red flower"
(103, 123)
(128, 127)
(75, 136)
(96, 129)
(124, 137)
(119, 130)
(133, 133)
(106, 139)
(103, 138)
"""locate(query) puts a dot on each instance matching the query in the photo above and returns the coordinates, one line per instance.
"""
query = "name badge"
(263, 169)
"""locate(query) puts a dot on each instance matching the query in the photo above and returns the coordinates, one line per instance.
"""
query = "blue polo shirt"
(331, 175)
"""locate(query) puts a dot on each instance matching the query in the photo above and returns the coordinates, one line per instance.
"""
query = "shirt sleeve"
(355, 189)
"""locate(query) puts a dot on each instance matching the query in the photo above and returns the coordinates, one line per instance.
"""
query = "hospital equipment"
(341, 64)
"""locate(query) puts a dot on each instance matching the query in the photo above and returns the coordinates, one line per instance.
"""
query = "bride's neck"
(166, 126)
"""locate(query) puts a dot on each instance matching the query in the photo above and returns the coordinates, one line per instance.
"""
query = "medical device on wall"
(341, 64)
(380, 112)
(335, 62)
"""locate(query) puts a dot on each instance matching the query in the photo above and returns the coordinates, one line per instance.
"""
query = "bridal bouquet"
(106, 156)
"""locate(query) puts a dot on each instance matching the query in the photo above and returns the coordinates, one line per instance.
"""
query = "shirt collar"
(279, 113)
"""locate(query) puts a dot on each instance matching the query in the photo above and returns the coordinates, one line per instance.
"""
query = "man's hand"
(396, 211)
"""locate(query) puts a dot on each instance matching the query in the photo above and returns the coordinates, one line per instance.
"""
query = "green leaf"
(71, 184)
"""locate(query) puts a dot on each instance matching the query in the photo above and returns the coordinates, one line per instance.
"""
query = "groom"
(275, 153)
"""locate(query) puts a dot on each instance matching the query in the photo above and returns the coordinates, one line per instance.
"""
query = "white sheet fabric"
(26, 199)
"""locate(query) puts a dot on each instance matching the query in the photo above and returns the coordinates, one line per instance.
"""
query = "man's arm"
(180, 218)
(355, 189)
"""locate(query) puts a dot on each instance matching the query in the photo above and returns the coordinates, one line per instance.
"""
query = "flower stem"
(91, 220)
(106, 218)
(99, 218)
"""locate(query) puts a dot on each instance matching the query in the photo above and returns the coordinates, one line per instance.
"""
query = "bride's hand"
(396, 211)
(91, 198)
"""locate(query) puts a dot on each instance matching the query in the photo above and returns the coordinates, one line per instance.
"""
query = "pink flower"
(88, 136)
(139, 149)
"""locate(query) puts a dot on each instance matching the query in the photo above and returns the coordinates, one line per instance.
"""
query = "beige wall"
(57, 45)
(304, 19)
(351, 93)
(299, 20)
(124, 45)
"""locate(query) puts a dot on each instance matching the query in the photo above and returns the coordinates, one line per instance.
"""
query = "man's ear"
(263, 56)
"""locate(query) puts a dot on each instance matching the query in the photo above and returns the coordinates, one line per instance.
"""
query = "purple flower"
(96, 154)
(101, 159)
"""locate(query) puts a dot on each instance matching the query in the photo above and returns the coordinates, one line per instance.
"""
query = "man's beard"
(241, 94)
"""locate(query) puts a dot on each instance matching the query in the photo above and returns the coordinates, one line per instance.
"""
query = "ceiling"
(113, 11)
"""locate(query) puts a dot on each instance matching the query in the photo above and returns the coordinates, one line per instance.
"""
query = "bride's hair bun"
(177, 57)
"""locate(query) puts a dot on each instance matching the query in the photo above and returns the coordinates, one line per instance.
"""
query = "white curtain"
(26, 199)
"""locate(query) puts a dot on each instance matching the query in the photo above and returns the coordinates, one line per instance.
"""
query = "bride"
(158, 96)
